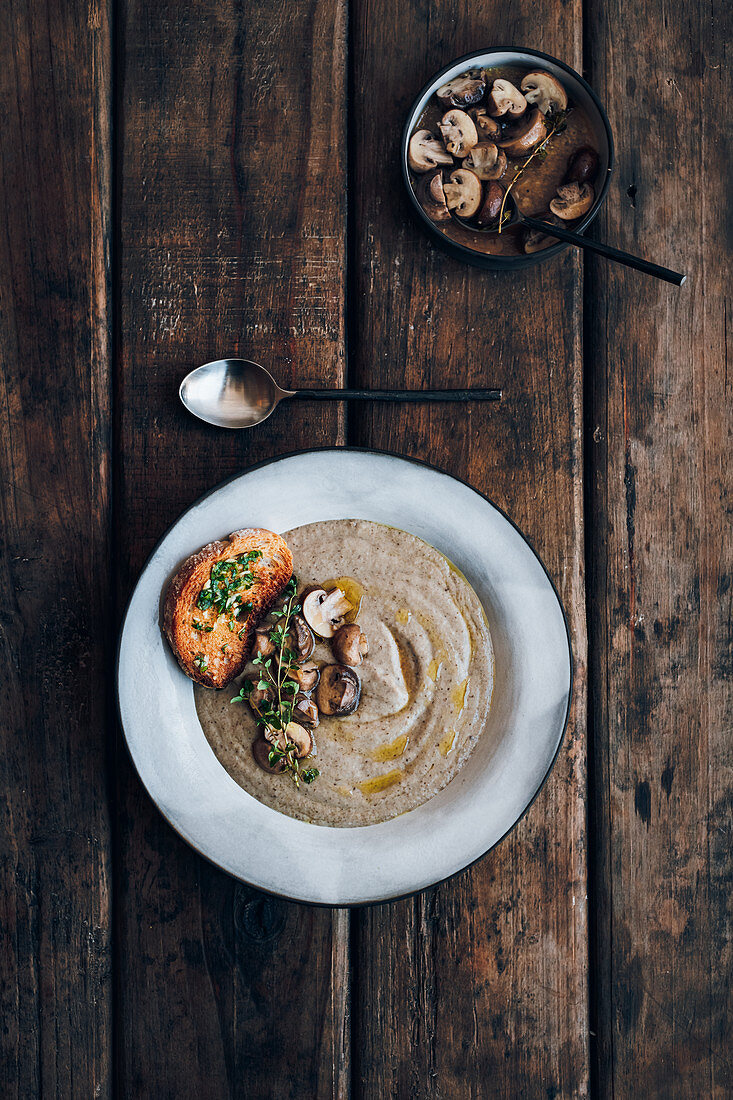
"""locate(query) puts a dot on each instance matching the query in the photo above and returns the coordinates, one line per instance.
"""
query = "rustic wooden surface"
(661, 557)
(250, 203)
(55, 813)
(501, 952)
(232, 236)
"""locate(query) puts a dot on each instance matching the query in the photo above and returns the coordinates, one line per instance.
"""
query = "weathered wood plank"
(232, 242)
(478, 988)
(661, 554)
(55, 970)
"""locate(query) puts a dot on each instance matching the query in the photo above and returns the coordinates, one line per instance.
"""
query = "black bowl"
(579, 91)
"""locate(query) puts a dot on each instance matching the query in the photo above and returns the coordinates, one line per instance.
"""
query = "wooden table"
(183, 180)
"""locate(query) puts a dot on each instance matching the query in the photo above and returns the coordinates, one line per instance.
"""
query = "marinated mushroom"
(431, 197)
(486, 161)
(324, 611)
(301, 636)
(258, 696)
(305, 675)
(525, 136)
(462, 91)
(573, 200)
(298, 735)
(274, 737)
(488, 128)
(305, 711)
(505, 99)
(262, 643)
(545, 92)
(349, 645)
(426, 151)
(489, 212)
(293, 734)
(459, 132)
(463, 192)
(534, 239)
(261, 752)
(582, 165)
(338, 690)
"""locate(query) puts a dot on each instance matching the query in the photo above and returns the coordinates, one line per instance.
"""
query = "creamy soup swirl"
(426, 682)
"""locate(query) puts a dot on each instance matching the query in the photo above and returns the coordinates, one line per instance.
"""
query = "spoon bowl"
(231, 393)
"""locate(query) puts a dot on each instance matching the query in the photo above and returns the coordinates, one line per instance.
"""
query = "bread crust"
(200, 654)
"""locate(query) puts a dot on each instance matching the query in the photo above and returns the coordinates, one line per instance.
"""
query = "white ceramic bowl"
(477, 808)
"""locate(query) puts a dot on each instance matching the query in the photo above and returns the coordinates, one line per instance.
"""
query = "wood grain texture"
(478, 988)
(659, 445)
(55, 966)
(232, 242)
(232, 197)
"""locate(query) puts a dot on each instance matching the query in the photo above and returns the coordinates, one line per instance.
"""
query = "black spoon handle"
(399, 395)
(606, 250)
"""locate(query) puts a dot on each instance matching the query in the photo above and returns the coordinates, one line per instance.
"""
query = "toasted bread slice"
(207, 616)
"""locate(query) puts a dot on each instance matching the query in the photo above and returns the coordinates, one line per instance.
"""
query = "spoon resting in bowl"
(516, 217)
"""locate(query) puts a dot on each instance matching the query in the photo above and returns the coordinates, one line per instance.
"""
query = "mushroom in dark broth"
(508, 124)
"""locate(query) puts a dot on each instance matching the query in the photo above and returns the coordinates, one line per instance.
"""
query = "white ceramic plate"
(529, 710)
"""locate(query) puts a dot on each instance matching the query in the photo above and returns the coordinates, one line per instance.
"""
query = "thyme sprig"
(559, 123)
(273, 716)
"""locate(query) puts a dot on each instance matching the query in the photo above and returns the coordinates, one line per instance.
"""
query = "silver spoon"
(518, 218)
(236, 393)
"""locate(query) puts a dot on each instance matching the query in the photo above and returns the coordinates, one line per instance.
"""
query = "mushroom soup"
(402, 684)
(492, 134)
